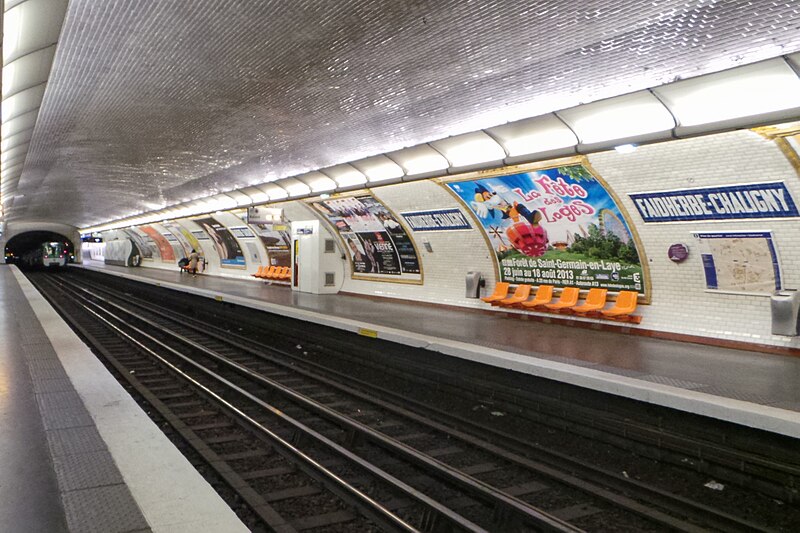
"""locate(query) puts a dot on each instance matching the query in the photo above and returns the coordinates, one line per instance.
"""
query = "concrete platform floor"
(76, 452)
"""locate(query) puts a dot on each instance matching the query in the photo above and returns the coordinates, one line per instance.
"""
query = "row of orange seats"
(568, 301)
(273, 273)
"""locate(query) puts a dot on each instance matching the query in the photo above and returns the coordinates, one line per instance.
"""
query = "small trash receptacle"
(474, 283)
(785, 310)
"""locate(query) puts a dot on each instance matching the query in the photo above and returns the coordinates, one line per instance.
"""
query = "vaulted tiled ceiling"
(153, 102)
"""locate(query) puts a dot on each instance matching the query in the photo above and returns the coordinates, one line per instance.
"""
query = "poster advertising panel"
(177, 244)
(164, 247)
(276, 239)
(740, 261)
(376, 241)
(186, 240)
(787, 137)
(555, 226)
(230, 253)
(145, 245)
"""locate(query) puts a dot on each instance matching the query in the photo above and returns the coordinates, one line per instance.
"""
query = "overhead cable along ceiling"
(30, 33)
(152, 104)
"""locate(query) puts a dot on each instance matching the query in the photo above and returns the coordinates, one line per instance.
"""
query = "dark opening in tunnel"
(24, 243)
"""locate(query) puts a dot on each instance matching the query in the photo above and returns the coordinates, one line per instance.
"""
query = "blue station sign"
(757, 200)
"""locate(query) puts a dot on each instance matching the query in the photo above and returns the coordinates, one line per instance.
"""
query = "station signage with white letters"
(437, 220)
(734, 202)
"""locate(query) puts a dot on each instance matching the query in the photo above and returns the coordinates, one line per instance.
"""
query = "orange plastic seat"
(543, 296)
(624, 306)
(522, 293)
(268, 273)
(259, 272)
(500, 292)
(568, 298)
(285, 273)
(595, 301)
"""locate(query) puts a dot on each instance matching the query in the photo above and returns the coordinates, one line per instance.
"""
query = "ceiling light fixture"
(625, 148)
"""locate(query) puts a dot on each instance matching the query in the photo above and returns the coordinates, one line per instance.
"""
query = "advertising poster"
(230, 253)
(186, 240)
(242, 232)
(787, 137)
(557, 226)
(377, 243)
(164, 247)
(276, 239)
(145, 245)
(740, 261)
(177, 245)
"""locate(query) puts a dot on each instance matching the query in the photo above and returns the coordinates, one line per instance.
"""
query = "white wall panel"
(681, 302)
(454, 252)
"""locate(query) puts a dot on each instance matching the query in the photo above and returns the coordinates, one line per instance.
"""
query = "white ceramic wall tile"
(681, 302)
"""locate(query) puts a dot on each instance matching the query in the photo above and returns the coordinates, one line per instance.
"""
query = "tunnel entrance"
(20, 245)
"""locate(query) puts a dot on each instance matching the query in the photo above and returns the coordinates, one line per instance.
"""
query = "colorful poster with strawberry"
(557, 226)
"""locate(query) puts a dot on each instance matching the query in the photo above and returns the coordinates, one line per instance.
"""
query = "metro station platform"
(749, 388)
(76, 452)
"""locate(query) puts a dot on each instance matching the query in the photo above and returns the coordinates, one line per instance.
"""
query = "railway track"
(369, 440)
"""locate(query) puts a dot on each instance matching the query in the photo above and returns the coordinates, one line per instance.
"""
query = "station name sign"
(757, 200)
(437, 220)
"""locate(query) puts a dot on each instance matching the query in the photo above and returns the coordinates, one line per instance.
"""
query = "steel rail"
(370, 507)
(652, 495)
(432, 505)
(476, 488)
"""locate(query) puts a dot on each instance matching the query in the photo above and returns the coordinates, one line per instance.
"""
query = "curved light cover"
(239, 197)
(747, 91)
(21, 150)
(18, 124)
(622, 117)
(28, 26)
(531, 136)
(470, 149)
(274, 192)
(294, 187)
(318, 182)
(379, 168)
(255, 194)
(223, 201)
(27, 71)
(8, 169)
(16, 140)
(345, 175)
(419, 161)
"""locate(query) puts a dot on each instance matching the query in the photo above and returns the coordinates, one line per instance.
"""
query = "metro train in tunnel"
(48, 254)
